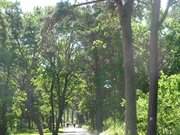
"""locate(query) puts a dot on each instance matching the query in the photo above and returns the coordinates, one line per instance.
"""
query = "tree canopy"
(110, 66)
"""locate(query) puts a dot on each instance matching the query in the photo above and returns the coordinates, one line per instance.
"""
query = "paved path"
(75, 131)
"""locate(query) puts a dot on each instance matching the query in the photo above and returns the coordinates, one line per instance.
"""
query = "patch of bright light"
(29, 5)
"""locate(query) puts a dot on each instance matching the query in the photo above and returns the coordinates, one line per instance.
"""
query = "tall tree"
(7, 58)
(125, 9)
(153, 69)
(24, 39)
(156, 22)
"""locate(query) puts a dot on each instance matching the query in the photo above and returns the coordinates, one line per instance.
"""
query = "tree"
(156, 22)
(153, 70)
(61, 65)
(7, 59)
(125, 9)
(170, 59)
(24, 40)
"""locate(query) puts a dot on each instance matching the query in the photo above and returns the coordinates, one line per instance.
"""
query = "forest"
(106, 67)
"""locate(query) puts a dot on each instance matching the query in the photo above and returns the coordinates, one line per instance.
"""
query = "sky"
(28, 5)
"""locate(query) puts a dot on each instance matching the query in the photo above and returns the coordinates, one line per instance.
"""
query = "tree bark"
(38, 122)
(72, 116)
(3, 120)
(52, 127)
(130, 92)
(125, 11)
(99, 97)
(62, 102)
(153, 68)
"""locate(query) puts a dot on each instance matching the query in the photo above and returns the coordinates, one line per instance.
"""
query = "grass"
(113, 127)
(30, 132)
(116, 129)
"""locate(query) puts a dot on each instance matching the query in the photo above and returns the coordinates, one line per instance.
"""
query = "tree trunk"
(125, 12)
(99, 97)
(72, 116)
(153, 68)
(38, 122)
(52, 127)
(32, 109)
(130, 92)
(3, 120)
(61, 103)
(64, 118)
(67, 115)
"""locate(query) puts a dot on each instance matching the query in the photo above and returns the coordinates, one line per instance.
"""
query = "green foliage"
(168, 106)
(30, 133)
(27, 69)
(3, 32)
(62, 8)
(19, 102)
(168, 109)
(114, 128)
(171, 46)
(142, 113)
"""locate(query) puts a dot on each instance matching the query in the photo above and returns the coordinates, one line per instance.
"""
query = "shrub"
(168, 109)
(115, 127)
(168, 106)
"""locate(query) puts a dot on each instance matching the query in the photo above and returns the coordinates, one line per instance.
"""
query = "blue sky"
(28, 5)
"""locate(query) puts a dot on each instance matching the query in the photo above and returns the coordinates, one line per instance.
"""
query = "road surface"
(75, 131)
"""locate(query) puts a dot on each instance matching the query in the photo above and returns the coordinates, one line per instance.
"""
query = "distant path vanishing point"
(75, 131)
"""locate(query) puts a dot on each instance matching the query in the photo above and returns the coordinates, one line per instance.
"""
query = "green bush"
(142, 112)
(168, 109)
(168, 106)
(114, 127)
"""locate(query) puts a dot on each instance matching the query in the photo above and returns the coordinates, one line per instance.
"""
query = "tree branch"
(169, 4)
(87, 3)
(53, 18)
(165, 13)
